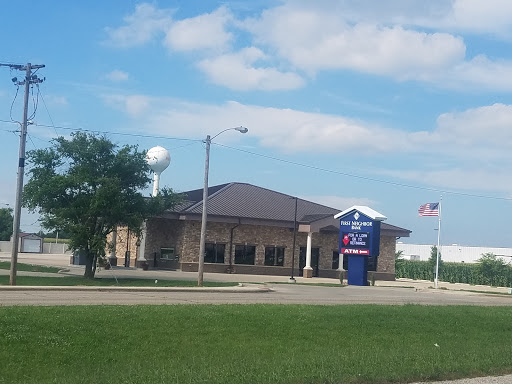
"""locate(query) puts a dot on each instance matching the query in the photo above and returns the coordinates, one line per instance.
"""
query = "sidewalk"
(62, 260)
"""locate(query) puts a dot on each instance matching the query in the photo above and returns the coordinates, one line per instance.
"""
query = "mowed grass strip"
(106, 282)
(252, 343)
(29, 267)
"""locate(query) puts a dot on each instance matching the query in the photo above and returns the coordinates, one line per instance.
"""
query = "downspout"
(230, 268)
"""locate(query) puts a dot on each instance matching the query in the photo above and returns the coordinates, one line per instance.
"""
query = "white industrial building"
(452, 253)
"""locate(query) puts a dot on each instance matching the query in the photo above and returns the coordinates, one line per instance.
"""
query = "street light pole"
(292, 279)
(204, 215)
(200, 269)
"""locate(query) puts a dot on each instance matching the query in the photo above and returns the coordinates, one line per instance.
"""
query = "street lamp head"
(239, 129)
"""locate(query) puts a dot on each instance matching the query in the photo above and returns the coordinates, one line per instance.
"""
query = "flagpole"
(438, 243)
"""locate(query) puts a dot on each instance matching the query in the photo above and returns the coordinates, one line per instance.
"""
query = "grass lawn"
(29, 267)
(78, 280)
(252, 343)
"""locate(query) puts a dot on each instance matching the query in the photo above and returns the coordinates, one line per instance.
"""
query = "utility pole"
(29, 80)
(292, 279)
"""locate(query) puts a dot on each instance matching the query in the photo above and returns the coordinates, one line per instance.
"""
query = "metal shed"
(31, 243)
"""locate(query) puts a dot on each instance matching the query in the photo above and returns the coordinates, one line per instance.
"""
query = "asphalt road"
(280, 294)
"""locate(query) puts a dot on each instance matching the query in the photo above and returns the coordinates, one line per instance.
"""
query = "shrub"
(488, 271)
(492, 269)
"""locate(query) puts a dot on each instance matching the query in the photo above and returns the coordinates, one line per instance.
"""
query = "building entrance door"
(315, 254)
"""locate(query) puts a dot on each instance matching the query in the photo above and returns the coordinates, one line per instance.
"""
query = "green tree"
(85, 186)
(6, 220)
(491, 268)
(433, 260)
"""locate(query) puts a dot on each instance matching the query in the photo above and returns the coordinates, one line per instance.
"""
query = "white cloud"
(459, 178)
(490, 16)
(140, 27)
(284, 129)
(487, 127)
(300, 36)
(480, 73)
(238, 71)
(468, 149)
(117, 76)
(482, 130)
(477, 139)
(322, 40)
(379, 38)
(206, 31)
(473, 16)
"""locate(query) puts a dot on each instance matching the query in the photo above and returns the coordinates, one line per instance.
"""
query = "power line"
(12, 105)
(314, 167)
(48, 112)
(35, 100)
(32, 141)
(397, 184)
(111, 133)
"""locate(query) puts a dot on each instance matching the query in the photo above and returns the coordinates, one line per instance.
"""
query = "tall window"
(214, 253)
(274, 256)
(335, 260)
(245, 254)
(372, 263)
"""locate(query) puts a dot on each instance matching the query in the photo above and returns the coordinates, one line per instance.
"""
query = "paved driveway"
(280, 294)
(397, 292)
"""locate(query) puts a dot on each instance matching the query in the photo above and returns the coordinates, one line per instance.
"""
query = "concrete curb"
(238, 289)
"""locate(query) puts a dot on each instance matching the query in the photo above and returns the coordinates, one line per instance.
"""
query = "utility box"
(79, 258)
(359, 239)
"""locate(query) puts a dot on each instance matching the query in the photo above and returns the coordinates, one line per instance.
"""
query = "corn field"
(453, 273)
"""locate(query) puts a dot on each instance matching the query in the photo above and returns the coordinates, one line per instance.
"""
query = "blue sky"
(389, 104)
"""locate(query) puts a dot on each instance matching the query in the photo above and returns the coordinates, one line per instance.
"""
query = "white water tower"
(158, 159)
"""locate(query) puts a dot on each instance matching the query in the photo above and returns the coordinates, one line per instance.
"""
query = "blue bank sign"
(359, 239)
(358, 233)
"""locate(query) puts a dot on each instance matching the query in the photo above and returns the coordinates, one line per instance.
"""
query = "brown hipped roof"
(247, 201)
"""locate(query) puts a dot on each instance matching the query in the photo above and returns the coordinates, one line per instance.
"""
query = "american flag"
(429, 209)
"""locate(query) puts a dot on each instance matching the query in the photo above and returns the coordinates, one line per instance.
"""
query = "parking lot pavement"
(56, 260)
(63, 260)
(274, 294)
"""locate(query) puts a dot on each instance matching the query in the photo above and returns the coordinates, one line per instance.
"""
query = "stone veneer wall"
(184, 236)
(163, 233)
(386, 261)
(121, 246)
